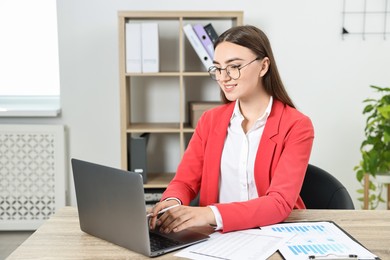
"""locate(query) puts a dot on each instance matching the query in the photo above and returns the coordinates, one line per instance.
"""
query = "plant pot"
(383, 178)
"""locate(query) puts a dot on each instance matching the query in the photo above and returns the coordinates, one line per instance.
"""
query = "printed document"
(318, 240)
(246, 244)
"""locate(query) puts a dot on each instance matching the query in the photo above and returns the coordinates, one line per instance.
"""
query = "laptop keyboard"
(158, 242)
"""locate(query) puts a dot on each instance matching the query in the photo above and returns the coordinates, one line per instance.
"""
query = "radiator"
(32, 174)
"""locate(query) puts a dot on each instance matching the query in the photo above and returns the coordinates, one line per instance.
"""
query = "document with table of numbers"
(246, 244)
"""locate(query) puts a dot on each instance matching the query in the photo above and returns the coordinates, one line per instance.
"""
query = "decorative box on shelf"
(198, 108)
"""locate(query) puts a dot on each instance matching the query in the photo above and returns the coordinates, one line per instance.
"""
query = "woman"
(247, 158)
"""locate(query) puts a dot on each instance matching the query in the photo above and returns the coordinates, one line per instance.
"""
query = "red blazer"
(280, 167)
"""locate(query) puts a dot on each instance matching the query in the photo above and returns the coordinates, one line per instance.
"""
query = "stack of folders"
(202, 39)
(142, 47)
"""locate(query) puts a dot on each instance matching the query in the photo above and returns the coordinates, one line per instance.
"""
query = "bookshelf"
(158, 103)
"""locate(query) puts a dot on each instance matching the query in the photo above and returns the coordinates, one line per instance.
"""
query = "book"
(204, 39)
(150, 47)
(209, 28)
(197, 45)
(133, 47)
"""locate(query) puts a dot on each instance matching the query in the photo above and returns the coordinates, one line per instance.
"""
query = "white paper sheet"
(246, 244)
(323, 240)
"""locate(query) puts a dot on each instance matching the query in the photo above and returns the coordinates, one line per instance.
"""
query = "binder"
(198, 46)
(209, 28)
(133, 48)
(150, 47)
(204, 39)
(138, 155)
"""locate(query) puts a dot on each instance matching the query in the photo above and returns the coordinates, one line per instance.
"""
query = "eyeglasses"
(233, 71)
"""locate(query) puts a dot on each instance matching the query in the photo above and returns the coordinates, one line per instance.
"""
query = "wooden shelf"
(160, 15)
(153, 128)
(150, 74)
(158, 180)
(188, 129)
(169, 74)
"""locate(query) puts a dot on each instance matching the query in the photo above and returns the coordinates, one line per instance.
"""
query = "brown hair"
(254, 39)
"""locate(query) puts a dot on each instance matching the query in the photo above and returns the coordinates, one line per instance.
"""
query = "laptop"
(111, 206)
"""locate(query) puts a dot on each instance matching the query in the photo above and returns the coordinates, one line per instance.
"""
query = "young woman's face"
(241, 62)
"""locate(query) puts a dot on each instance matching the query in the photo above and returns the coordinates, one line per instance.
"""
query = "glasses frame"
(214, 76)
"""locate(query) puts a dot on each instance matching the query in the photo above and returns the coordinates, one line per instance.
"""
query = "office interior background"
(327, 75)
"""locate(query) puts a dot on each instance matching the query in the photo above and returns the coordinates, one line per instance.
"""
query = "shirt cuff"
(218, 217)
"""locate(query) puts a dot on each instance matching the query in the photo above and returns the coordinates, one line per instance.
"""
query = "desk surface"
(61, 238)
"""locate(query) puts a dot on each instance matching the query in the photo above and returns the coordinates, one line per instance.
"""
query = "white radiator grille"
(32, 174)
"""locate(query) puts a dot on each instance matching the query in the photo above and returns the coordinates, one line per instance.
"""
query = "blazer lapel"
(213, 157)
(265, 152)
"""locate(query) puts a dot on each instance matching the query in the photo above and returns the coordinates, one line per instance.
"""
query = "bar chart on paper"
(310, 246)
(317, 239)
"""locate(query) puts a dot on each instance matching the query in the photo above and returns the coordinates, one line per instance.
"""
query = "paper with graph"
(318, 240)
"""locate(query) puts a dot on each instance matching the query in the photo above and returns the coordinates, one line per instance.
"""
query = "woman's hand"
(182, 217)
(158, 207)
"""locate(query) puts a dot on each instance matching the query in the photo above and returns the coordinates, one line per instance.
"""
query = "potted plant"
(375, 148)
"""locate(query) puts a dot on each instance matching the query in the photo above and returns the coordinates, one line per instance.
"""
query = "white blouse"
(237, 181)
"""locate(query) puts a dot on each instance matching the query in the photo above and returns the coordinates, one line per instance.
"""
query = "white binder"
(133, 48)
(150, 47)
(198, 46)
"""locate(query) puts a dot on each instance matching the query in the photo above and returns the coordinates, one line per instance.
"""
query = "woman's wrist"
(217, 221)
(174, 199)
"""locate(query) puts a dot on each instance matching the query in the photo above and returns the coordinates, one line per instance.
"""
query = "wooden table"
(60, 237)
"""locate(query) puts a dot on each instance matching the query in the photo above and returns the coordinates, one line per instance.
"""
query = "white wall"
(326, 76)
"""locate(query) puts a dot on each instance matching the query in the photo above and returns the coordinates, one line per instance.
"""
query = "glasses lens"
(233, 71)
(213, 71)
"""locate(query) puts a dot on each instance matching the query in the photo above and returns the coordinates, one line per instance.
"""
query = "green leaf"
(369, 100)
(379, 88)
(360, 175)
(368, 109)
(384, 111)
(386, 99)
(386, 137)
